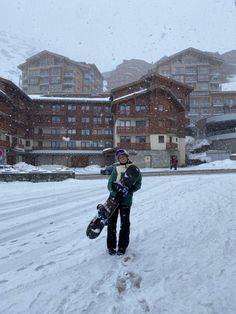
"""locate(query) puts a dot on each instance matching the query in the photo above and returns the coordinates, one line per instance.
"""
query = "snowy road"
(181, 258)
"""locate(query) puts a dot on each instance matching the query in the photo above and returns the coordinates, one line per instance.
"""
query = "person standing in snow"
(123, 209)
(173, 162)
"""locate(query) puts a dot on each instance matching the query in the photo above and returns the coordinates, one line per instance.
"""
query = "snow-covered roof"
(66, 152)
(82, 99)
(223, 117)
(231, 85)
(222, 136)
(142, 91)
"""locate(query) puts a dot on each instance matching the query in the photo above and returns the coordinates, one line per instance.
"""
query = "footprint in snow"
(128, 280)
(43, 266)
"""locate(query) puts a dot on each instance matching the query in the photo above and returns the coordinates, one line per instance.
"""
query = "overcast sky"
(106, 32)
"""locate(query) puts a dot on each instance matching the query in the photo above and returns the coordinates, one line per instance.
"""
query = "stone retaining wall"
(37, 177)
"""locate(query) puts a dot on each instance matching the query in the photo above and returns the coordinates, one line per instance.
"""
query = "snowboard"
(106, 210)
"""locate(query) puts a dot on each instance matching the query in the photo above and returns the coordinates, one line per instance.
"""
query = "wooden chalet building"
(147, 117)
(150, 117)
(15, 122)
(199, 69)
(53, 74)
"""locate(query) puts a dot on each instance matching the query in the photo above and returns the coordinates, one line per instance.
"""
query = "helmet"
(121, 152)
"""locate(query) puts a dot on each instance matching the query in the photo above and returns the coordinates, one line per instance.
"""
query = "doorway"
(148, 161)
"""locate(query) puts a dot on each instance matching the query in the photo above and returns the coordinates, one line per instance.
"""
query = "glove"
(121, 190)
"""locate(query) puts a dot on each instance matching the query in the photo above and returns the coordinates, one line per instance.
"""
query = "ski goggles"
(121, 152)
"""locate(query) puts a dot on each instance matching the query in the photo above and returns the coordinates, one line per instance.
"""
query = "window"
(190, 70)
(107, 109)
(34, 72)
(217, 101)
(85, 132)
(55, 80)
(97, 120)
(229, 101)
(161, 123)
(108, 120)
(40, 144)
(85, 119)
(40, 131)
(56, 119)
(190, 79)
(179, 70)
(214, 87)
(125, 139)
(203, 78)
(33, 81)
(203, 101)
(124, 108)
(44, 80)
(71, 119)
(71, 107)
(161, 139)
(44, 72)
(71, 144)
(55, 131)
(140, 123)
(97, 108)
(27, 143)
(71, 131)
(160, 107)
(44, 88)
(85, 107)
(55, 71)
(203, 70)
(85, 144)
(125, 123)
(55, 144)
(140, 108)
(56, 107)
(140, 139)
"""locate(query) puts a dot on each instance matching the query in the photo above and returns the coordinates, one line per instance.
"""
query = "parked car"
(107, 170)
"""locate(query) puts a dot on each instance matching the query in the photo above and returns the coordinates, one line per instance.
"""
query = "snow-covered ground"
(95, 169)
(181, 258)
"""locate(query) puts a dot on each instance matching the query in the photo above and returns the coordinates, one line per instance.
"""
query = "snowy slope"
(13, 51)
(181, 258)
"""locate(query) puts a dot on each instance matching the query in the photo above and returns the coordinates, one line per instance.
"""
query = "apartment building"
(53, 74)
(150, 119)
(15, 121)
(199, 69)
(147, 117)
(71, 131)
(223, 102)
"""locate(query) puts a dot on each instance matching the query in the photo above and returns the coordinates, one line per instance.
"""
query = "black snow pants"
(123, 241)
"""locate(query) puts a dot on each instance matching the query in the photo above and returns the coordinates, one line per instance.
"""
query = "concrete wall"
(158, 158)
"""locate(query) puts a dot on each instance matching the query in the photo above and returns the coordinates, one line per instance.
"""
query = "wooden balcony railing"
(5, 144)
(171, 146)
(136, 146)
(132, 130)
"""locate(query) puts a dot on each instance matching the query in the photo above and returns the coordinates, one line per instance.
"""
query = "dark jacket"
(116, 175)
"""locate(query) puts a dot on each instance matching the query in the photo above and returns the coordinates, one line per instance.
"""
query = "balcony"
(136, 146)
(5, 144)
(171, 146)
(132, 130)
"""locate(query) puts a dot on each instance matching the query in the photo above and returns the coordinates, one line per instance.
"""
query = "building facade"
(15, 121)
(147, 117)
(201, 70)
(52, 74)
(150, 119)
